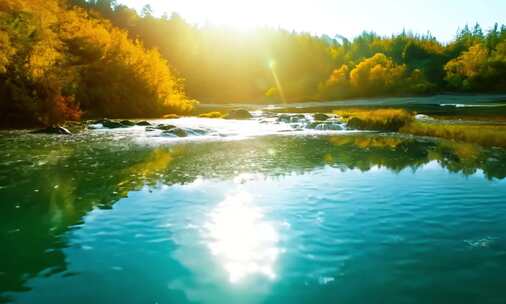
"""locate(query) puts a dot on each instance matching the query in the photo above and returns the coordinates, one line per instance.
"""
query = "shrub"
(214, 114)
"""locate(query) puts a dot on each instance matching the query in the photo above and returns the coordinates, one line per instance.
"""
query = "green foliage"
(57, 62)
(479, 69)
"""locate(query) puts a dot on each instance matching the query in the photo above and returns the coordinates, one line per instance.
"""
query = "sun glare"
(239, 15)
(244, 242)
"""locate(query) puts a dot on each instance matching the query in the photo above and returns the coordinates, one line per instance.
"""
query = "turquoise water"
(318, 218)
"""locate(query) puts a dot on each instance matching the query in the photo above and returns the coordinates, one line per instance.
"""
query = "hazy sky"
(347, 18)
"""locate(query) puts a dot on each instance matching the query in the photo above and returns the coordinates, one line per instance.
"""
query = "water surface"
(271, 216)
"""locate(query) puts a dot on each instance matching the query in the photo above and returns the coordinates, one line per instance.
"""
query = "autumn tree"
(58, 62)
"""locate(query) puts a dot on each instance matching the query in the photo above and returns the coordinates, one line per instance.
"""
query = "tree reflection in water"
(46, 192)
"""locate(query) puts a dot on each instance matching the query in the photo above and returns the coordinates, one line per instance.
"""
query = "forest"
(60, 60)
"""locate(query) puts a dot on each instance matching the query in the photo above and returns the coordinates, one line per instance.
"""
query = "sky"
(349, 18)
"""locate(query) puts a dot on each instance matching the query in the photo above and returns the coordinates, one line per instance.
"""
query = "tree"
(147, 11)
(376, 75)
(465, 71)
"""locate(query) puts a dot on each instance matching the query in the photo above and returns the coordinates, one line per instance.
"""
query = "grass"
(485, 135)
(399, 120)
(377, 119)
(214, 114)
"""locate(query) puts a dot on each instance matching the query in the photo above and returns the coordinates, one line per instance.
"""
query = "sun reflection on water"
(241, 238)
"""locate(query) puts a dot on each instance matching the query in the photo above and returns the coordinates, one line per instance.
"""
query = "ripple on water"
(211, 221)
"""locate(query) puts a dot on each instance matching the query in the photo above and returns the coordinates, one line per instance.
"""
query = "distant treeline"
(222, 65)
(58, 62)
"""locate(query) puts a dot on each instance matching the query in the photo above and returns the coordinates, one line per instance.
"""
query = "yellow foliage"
(499, 54)
(339, 76)
(215, 114)
(73, 59)
(374, 114)
(159, 160)
(43, 57)
(469, 64)
(376, 72)
(480, 134)
(6, 51)
(380, 119)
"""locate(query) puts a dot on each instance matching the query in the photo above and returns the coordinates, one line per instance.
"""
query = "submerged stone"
(325, 126)
(286, 118)
(54, 130)
(197, 132)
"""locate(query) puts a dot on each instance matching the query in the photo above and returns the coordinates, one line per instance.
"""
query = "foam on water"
(206, 129)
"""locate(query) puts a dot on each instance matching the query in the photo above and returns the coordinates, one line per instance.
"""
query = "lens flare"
(272, 66)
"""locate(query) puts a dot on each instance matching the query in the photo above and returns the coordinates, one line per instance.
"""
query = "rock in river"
(320, 116)
(166, 127)
(109, 123)
(176, 132)
(295, 118)
(127, 123)
(325, 126)
(238, 114)
(143, 123)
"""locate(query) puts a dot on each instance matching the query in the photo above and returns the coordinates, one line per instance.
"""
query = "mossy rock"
(176, 132)
(166, 127)
(143, 123)
(238, 114)
(291, 118)
(127, 123)
(320, 117)
(110, 124)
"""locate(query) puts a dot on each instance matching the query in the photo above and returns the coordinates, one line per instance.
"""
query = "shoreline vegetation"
(384, 120)
(404, 122)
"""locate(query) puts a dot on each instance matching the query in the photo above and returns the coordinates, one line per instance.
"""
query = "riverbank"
(478, 120)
